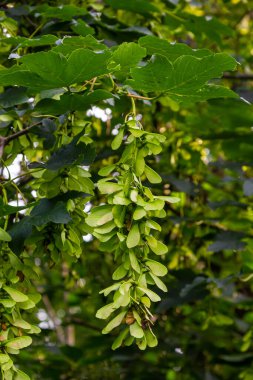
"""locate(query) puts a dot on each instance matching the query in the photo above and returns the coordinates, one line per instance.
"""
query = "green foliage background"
(50, 54)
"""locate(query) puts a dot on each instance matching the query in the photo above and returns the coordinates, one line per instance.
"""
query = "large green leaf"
(70, 154)
(128, 55)
(46, 39)
(13, 96)
(209, 91)
(45, 70)
(84, 64)
(210, 26)
(21, 76)
(49, 211)
(185, 79)
(50, 66)
(68, 44)
(138, 6)
(62, 12)
(72, 102)
(80, 27)
(172, 51)
(19, 232)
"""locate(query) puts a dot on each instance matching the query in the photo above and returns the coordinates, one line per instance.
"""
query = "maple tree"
(130, 213)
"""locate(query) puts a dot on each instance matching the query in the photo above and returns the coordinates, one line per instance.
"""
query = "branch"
(93, 83)
(2, 144)
(52, 314)
(139, 97)
(238, 76)
(6, 140)
(82, 322)
(20, 133)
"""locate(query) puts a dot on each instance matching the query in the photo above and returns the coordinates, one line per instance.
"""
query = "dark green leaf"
(128, 55)
(72, 154)
(67, 45)
(84, 64)
(138, 6)
(19, 232)
(171, 51)
(13, 96)
(47, 70)
(72, 102)
(30, 42)
(80, 27)
(63, 12)
(49, 66)
(185, 79)
(49, 211)
(227, 240)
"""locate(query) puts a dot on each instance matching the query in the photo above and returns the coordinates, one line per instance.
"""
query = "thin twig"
(5, 140)
(70, 328)
(36, 30)
(82, 322)
(2, 144)
(52, 314)
(20, 133)
(139, 96)
(93, 83)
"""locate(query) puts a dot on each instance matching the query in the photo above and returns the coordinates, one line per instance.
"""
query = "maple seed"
(4, 326)
(145, 323)
(20, 275)
(130, 318)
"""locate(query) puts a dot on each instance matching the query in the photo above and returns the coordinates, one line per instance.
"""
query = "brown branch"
(52, 315)
(238, 76)
(2, 144)
(82, 322)
(70, 329)
(20, 133)
(139, 97)
(6, 140)
(93, 83)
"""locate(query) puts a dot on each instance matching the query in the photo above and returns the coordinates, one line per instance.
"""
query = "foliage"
(131, 202)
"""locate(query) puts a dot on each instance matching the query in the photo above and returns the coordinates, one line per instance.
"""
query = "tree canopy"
(125, 190)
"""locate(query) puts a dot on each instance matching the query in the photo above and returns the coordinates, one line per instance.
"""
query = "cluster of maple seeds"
(125, 226)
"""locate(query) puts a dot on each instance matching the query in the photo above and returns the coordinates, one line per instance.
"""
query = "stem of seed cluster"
(133, 106)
